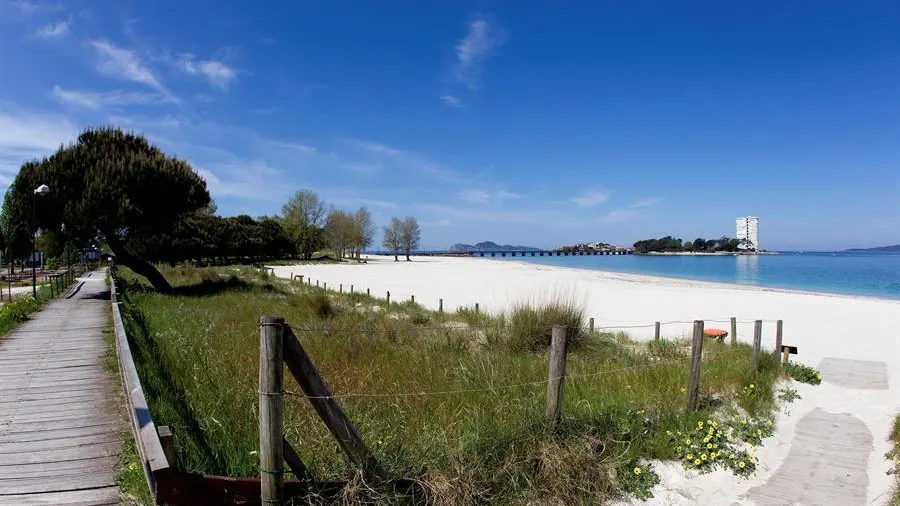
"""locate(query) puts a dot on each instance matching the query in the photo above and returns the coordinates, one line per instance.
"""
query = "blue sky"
(516, 122)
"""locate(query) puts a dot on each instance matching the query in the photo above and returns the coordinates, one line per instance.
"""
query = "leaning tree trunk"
(138, 265)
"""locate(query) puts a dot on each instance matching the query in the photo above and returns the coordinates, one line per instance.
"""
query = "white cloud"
(451, 101)
(481, 196)
(125, 64)
(144, 123)
(644, 203)
(26, 136)
(218, 73)
(354, 201)
(618, 216)
(34, 134)
(480, 43)
(295, 146)
(254, 180)
(540, 216)
(24, 6)
(407, 159)
(591, 198)
(95, 100)
(57, 30)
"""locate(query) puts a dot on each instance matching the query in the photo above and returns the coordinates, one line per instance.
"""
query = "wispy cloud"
(390, 155)
(482, 41)
(644, 203)
(355, 201)
(145, 123)
(125, 64)
(451, 101)
(25, 136)
(540, 216)
(482, 196)
(255, 180)
(296, 147)
(24, 6)
(216, 72)
(95, 100)
(618, 216)
(56, 30)
(591, 198)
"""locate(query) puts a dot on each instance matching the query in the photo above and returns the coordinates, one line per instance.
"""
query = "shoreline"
(706, 283)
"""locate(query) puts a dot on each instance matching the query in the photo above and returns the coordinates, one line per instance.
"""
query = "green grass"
(14, 313)
(486, 443)
(895, 455)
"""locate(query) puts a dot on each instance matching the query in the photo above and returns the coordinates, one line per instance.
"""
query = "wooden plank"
(327, 408)
(757, 343)
(62, 385)
(105, 496)
(63, 454)
(55, 434)
(12, 448)
(63, 483)
(86, 400)
(33, 416)
(53, 469)
(37, 394)
(86, 420)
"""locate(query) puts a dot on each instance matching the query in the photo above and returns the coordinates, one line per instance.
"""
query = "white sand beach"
(854, 340)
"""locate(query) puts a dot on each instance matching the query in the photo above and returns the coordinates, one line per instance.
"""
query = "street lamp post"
(40, 190)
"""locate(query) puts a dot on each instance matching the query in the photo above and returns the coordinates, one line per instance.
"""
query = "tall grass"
(451, 400)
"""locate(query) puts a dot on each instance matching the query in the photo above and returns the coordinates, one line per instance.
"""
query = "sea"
(845, 273)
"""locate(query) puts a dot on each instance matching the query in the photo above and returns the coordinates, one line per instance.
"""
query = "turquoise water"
(866, 274)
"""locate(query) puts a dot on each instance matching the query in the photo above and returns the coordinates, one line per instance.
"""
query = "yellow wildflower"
(741, 465)
(704, 456)
(716, 446)
(697, 462)
(709, 446)
(700, 425)
(668, 433)
(690, 456)
(683, 390)
(637, 471)
(752, 385)
(131, 467)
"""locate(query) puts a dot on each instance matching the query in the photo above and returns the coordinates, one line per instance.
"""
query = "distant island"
(488, 246)
(672, 245)
(881, 249)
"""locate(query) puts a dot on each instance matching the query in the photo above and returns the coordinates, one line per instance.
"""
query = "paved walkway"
(60, 425)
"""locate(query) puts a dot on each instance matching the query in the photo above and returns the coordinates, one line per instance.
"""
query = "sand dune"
(828, 330)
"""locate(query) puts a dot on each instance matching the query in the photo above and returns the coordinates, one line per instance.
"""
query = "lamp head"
(42, 190)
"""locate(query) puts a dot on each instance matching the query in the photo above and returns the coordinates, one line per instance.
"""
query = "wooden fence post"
(696, 359)
(656, 331)
(301, 279)
(476, 307)
(412, 298)
(733, 330)
(779, 326)
(341, 288)
(389, 298)
(757, 343)
(343, 430)
(440, 305)
(271, 408)
(351, 288)
(556, 385)
(368, 294)
(317, 283)
(591, 325)
(324, 285)
(167, 440)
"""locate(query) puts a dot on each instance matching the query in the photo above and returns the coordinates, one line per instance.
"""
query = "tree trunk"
(395, 258)
(407, 257)
(138, 265)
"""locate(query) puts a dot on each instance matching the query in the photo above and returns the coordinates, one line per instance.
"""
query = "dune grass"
(478, 438)
(895, 455)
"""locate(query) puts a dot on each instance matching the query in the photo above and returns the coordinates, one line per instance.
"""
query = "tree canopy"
(108, 184)
(669, 243)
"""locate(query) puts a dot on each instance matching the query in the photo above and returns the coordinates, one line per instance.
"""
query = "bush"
(320, 305)
(803, 373)
(530, 325)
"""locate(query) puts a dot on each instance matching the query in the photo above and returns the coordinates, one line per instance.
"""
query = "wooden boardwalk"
(61, 426)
